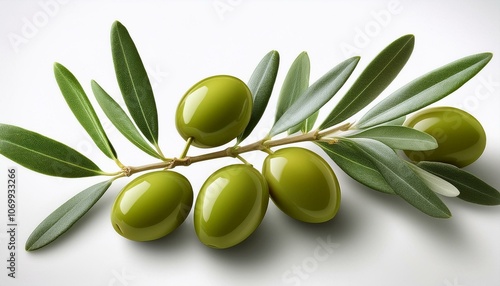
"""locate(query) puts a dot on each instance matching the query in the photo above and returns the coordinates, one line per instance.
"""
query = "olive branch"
(364, 149)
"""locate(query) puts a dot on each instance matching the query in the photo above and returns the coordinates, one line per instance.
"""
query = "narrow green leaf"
(315, 96)
(397, 122)
(356, 165)
(308, 124)
(373, 80)
(294, 85)
(134, 82)
(261, 85)
(472, 189)
(425, 90)
(79, 103)
(44, 155)
(63, 218)
(120, 120)
(298, 127)
(435, 183)
(401, 177)
(399, 137)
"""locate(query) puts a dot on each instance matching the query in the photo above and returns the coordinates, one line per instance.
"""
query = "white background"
(375, 239)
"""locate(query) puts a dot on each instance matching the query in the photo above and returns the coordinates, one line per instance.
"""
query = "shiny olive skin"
(302, 184)
(152, 205)
(230, 206)
(461, 138)
(214, 111)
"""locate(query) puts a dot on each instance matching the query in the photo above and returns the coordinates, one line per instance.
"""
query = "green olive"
(461, 138)
(302, 184)
(230, 206)
(152, 205)
(214, 111)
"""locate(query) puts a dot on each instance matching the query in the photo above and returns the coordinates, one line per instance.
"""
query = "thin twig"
(261, 145)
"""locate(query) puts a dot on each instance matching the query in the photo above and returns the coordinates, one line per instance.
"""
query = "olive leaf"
(401, 177)
(315, 96)
(261, 85)
(134, 82)
(373, 80)
(120, 120)
(425, 90)
(81, 107)
(356, 165)
(435, 183)
(397, 122)
(472, 189)
(308, 124)
(44, 155)
(63, 218)
(295, 83)
(399, 137)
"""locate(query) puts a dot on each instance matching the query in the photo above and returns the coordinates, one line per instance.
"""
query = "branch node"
(332, 141)
(231, 152)
(127, 171)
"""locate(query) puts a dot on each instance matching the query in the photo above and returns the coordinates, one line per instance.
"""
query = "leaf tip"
(274, 53)
(29, 245)
(94, 84)
(58, 66)
(116, 24)
(409, 37)
(302, 58)
(488, 55)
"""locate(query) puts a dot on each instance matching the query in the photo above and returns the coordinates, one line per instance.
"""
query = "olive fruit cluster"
(232, 202)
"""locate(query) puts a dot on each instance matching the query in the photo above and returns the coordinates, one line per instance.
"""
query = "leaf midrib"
(396, 138)
(53, 158)
(401, 179)
(123, 122)
(463, 185)
(332, 82)
(348, 159)
(93, 120)
(48, 232)
(381, 114)
(263, 79)
(100, 189)
(369, 84)
(134, 87)
(416, 191)
(294, 87)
